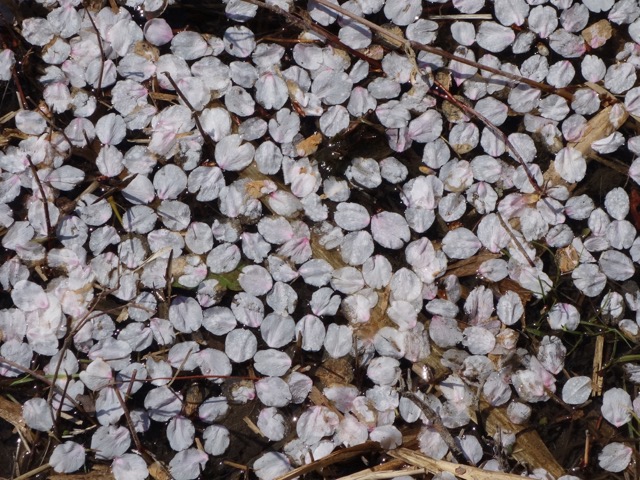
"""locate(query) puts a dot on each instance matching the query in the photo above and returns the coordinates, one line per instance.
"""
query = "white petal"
(216, 439)
(37, 414)
(67, 457)
(390, 230)
(616, 406)
(570, 164)
(129, 467)
(576, 390)
(615, 457)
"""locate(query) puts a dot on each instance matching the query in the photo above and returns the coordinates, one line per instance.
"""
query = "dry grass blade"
(463, 16)
(371, 475)
(598, 127)
(99, 472)
(158, 471)
(336, 457)
(383, 468)
(597, 379)
(34, 472)
(8, 116)
(469, 266)
(529, 448)
(252, 426)
(437, 424)
(438, 466)
(12, 413)
(318, 398)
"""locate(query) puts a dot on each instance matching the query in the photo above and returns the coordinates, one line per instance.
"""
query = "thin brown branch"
(196, 116)
(515, 240)
(195, 377)
(131, 381)
(443, 53)
(68, 339)
(127, 416)
(307, 24)
(102, 55)
(51, 384)
(444, 93)
(45, 203)
(59, 409)
(22, 99)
